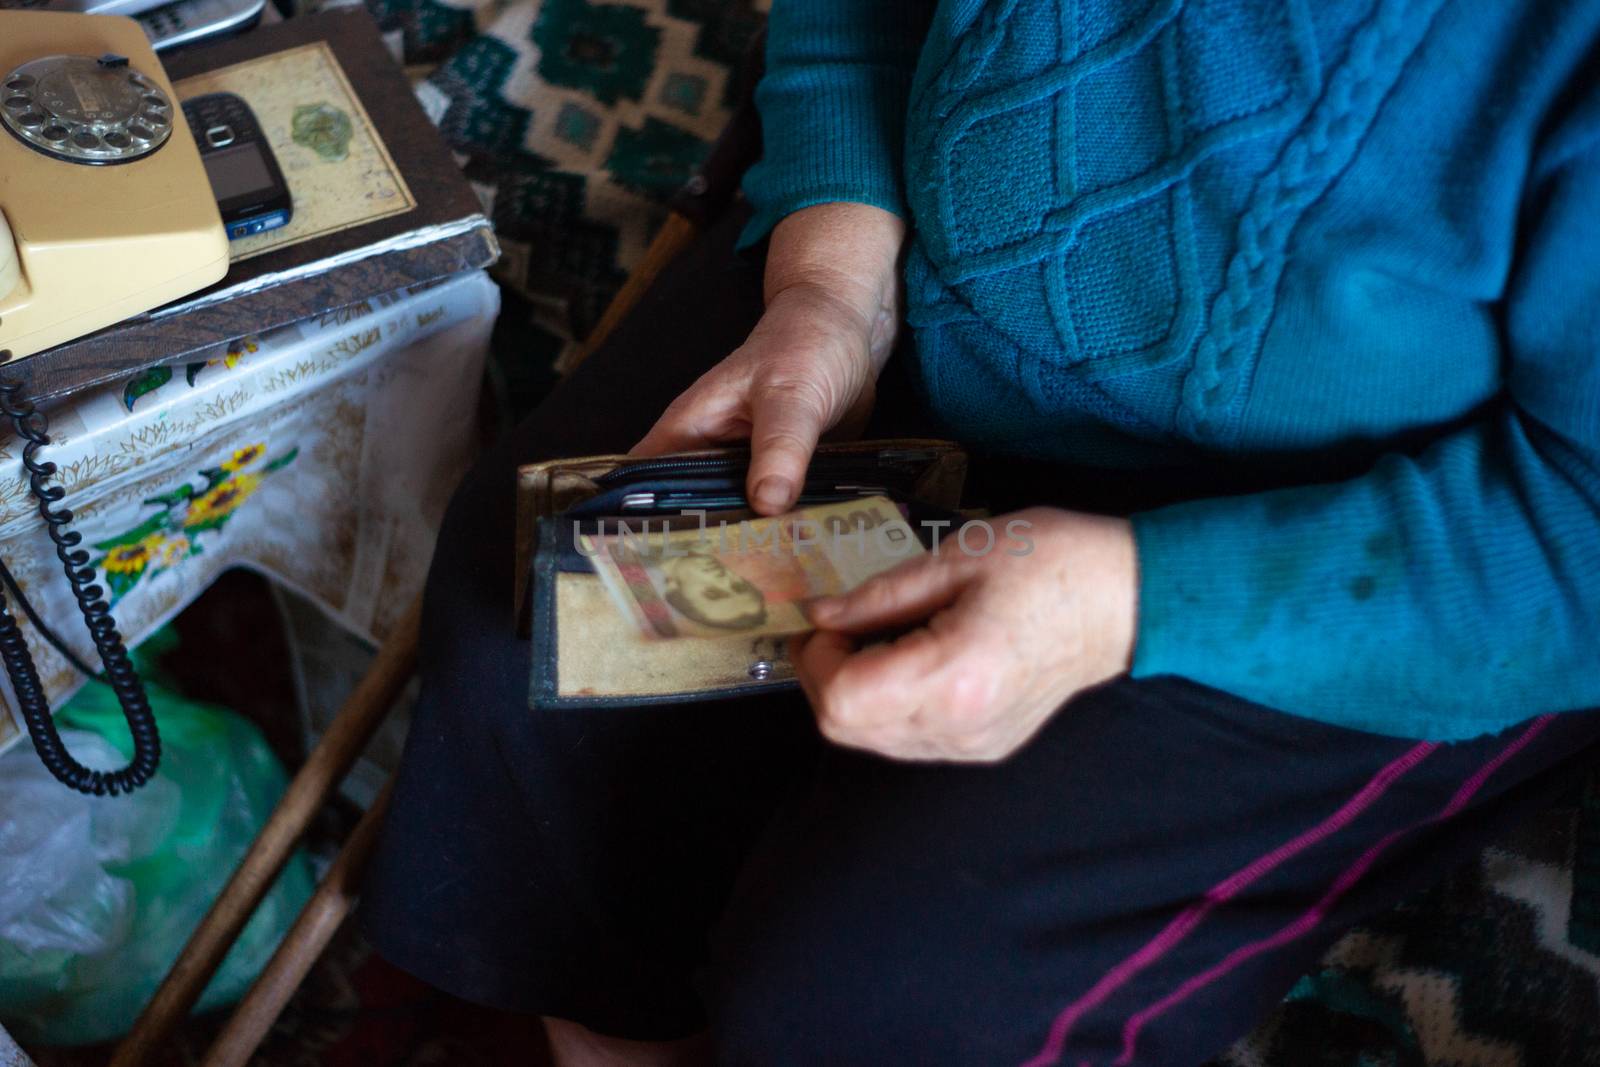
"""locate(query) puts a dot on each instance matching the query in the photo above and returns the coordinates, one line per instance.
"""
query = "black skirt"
(1140, 884)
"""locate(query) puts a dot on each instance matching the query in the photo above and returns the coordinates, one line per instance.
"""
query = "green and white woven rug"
(576, 121)
(1496, 966)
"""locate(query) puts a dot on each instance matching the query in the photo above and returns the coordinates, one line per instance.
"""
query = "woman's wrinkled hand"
(811, 363)
(1001, 641)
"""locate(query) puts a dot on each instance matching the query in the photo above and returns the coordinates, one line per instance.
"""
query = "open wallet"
(586, 653)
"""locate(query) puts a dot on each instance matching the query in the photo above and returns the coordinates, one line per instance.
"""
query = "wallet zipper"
(666, 465)
(648, 499)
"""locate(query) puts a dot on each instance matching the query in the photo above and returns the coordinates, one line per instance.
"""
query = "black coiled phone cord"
(30, 425)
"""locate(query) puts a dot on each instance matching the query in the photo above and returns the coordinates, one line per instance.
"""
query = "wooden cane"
(302, 946)
(324, 768)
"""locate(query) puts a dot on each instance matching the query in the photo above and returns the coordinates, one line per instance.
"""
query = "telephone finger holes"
(84, 139)
(54, 133)
(117, 139)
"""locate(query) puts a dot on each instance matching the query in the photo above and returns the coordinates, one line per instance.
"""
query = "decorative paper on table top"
(337, 168)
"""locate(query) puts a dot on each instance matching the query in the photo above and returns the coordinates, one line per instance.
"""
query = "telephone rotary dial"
(85, 110)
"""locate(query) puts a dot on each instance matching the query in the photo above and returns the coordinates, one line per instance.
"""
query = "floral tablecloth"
(321, 454)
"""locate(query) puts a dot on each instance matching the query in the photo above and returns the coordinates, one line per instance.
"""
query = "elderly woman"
(1284, 318)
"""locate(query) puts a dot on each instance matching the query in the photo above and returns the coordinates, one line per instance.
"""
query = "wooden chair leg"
(302, 946)
(676, 234)
(324, 768)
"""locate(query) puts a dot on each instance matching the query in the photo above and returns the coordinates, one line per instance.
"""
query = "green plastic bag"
(99, 894)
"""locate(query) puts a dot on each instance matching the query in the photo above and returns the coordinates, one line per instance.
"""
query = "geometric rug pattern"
(576, 121)
(1495, 966)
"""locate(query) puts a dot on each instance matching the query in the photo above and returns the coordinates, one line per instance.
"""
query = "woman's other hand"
(1002, 639)
(810, 365)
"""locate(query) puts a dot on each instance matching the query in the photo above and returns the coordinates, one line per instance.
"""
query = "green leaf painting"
(183, 516)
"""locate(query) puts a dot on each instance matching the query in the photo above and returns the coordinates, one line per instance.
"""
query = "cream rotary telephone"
(105, 212)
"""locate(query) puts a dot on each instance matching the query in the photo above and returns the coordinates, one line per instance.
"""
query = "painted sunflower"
(245, 456)
(166, 551)
(238, 350)
(223, 500)
(128, 559)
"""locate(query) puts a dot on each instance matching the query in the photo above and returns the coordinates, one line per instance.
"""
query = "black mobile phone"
(245, 178)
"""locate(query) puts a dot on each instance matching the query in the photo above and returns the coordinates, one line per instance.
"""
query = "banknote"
(750, 578)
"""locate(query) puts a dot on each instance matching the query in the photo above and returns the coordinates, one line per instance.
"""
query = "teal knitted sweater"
(1352, 242)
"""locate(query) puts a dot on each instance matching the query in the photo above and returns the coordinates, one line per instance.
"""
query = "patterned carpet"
(576, 121)
(1496, 966)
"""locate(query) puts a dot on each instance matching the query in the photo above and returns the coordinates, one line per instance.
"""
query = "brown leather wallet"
(587, 654)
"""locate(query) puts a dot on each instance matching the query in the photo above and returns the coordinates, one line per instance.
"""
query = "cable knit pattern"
(958, 115)
(1311, 159)
(1097, 202)
(1345, 246)
(976, 48)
